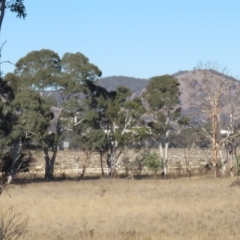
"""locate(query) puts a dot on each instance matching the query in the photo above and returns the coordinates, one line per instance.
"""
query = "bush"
(151, 161)
(12, 224)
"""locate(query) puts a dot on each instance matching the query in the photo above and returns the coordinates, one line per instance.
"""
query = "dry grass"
(186, 208)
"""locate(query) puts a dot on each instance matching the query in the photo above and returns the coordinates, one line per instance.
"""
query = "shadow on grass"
(41, 179)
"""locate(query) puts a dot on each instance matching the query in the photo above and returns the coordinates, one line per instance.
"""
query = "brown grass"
(186, 208)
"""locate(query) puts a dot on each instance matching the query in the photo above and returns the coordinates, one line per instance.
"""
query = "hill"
(134, 84)
(187, 99)
(137, 86)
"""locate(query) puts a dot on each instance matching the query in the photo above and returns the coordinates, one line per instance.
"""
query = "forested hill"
(137, 86)
(134, 84)
(187, 100)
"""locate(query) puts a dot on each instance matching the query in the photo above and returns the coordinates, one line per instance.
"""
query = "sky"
(134, 38)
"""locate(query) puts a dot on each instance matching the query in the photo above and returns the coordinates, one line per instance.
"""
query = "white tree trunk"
(165, 166)
(164, 158)
(161, 152)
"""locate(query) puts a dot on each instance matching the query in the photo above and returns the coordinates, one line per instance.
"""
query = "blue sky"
(135, 38)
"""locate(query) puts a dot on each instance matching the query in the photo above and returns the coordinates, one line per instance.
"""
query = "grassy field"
(185, 208)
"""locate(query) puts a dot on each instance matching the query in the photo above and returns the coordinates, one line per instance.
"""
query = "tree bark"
(49, 164)
(111, 159)
(165, 166)
(101, 163)
(231, 165)
(17, 149)
(215, 144)
(164, 158)
(2, 11)
(161, 151)
(109, 164)
(85, 164)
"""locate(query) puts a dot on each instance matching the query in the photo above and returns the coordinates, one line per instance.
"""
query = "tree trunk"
(236, 158)
(214, 144)
(16, 154)
(224, 167)
(2, 11)
(83, 171)
(85, 164)
(164, 158)
(165, 166)
(231, 165)
(49, 164)
(224, 159)
(161, 152)
(101, 163)
(215, 163)
(111, 159)
(109, 164)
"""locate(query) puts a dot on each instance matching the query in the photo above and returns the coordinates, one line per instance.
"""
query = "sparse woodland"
(178, 137)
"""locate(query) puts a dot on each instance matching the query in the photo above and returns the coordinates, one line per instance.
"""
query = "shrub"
(12, 224)
(151, 161)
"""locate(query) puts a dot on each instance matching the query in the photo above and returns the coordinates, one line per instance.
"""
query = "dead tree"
(212, 92)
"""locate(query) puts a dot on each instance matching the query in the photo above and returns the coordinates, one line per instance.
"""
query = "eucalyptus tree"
(162, 97)
(124, 125)
(31, 128)
(44, 71)
(18, 123)
(8, 119)
(7, 116)
(89, 137)
(39, 70)
(217, 100)
(77, 76)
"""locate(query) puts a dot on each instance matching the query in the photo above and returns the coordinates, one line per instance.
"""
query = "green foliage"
(6, 88)
(184, 121)
(7, 121)
(162, 96)
(34, 116)
(89, 139)
(151, 161)
(29, 114)
(8, 117)
(39, 69)
(76, 71)
(162, 92)
(6, 161)
(125, 113)
(114, 106)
